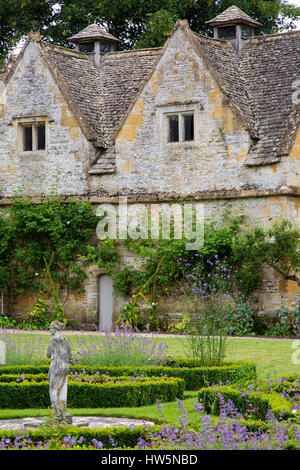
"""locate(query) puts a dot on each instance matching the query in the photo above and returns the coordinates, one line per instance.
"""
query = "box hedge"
(259, 403)
(124, 437)
(35, 394)
(195, 377)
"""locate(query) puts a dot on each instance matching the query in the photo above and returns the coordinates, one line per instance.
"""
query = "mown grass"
(150, 413)
(272, 357)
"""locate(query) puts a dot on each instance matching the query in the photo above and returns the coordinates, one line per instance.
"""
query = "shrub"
(123, 437)
(257, 403)
(240, 321)
(286, 323)
(194, 376)
(123, 348)
(230, 432)
(145, 391)
(7, 322)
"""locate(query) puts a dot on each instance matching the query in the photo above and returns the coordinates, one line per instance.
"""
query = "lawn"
(273, 358)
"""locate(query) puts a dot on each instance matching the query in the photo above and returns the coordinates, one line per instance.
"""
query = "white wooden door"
(105, 302)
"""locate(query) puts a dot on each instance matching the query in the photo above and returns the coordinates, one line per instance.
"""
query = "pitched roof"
(233, 15)
(271, 66)
(259, 84)
(121, 75)
(93, 31)
(225, 65)
(78, 79)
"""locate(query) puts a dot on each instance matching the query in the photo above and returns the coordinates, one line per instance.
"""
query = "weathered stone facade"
(125, 152)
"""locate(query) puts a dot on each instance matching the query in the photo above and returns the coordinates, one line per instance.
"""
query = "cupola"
(94, 41)
(235, 26)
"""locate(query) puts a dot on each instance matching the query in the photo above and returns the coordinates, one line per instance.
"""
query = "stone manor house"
(208, 119)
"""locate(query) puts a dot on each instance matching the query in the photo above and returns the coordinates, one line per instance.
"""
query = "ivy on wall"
(59, 238)
(31, 234)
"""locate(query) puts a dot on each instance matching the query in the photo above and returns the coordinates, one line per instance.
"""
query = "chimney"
(235, 26)
(95, 42)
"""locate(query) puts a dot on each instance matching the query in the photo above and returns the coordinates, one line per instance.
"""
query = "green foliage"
(42, 314)
(206, 338)
(53, 231)
(7, 322)
(260, 403)
(130, 315)
(124, 436)
(157, 29)
(130, 393)
(286, 323)
(277, 245)
(240, 320)
(147, 21)
(189, 370)
(159, 271)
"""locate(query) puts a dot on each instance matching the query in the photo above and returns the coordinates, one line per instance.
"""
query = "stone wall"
(32, 92)
(211, 168)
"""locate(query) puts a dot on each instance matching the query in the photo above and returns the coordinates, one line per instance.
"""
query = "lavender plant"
(22, 349)
(209, 291)
(229, 432)
(124, 347)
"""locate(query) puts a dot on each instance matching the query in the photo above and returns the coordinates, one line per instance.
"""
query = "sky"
(297, 3)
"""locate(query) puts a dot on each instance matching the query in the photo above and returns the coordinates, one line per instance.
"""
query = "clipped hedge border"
(195, 377)
(87, 395)
(124, 437)
(261, 403)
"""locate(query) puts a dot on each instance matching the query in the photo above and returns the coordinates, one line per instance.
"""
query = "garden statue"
(60, 353)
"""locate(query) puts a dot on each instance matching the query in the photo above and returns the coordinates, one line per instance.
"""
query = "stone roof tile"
(233, 15)
(93, 31)
(259, 84)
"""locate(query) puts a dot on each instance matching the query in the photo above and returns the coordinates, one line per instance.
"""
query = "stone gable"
(32, 92)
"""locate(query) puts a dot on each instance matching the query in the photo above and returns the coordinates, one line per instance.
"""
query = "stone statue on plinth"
(60, 353)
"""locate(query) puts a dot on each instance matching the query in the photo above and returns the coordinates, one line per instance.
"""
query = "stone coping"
(79, 421)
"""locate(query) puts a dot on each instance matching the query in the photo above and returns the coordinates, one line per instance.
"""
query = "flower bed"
(72, 437)
(189, 370)
(86, 391)
(277, 398)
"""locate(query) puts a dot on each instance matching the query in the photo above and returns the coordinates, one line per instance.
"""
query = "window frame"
(34, 123)
(181, 126)
(164, 111)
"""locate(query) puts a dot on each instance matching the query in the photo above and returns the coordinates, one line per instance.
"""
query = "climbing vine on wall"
(32, 233)
(61, 237)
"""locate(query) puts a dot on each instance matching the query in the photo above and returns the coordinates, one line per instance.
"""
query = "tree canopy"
(138, 23)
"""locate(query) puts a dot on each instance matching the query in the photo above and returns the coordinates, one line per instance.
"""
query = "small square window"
(180, 127)
(32, 136)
